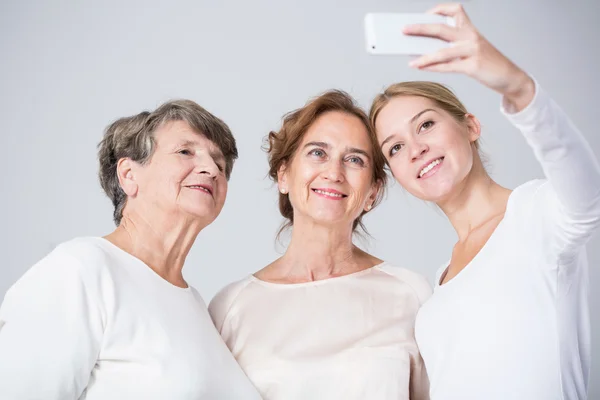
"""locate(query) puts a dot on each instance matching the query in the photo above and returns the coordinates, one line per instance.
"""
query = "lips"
(331, 193)
(202, 187)
(429, 166)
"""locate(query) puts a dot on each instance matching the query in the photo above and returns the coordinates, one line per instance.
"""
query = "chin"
(437, 196)
(202, 213)
(330, 219)
(431, 194)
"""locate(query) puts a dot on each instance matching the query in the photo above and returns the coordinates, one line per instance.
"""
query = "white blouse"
(348, 337)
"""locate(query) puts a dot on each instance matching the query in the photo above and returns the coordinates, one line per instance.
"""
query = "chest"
(342, 349)
(160, 345)
(323, 332)
(489, 303)
(466, 250)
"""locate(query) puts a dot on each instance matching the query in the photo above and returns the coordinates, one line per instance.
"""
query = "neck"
(474, 202)
(162, 243)
(319, 252)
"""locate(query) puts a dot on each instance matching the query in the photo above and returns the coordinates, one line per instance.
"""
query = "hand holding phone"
(457, 48)
(384, 33)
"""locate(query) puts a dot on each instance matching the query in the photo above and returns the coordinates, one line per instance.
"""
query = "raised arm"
(568, 162)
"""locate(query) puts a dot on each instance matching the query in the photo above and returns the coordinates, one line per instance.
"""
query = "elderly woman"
(112, 317)
(326, 320)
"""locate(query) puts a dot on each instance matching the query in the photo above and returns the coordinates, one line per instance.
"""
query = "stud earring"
(369, 207)
(283, 191)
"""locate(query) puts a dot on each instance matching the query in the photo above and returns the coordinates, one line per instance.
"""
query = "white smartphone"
(383, 34)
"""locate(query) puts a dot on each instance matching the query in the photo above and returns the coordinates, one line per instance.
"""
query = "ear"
(373, 195)
(473, 127)
(125, 172)
(282, 179)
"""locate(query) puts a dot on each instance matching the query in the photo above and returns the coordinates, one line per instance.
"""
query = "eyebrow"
(412, 120)
(348, 149)
(216, 155)
(188, 142)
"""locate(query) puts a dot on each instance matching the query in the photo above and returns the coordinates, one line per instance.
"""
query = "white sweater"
(348, 337)
(514, 323)
(90, 321)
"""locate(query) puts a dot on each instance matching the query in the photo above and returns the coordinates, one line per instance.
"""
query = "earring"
(283, 191)
(369, 207)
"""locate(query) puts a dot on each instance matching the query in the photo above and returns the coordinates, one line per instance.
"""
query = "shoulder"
(417, 282)
(221, 303)
(79, 261)
(530, 189)
(534, 192)
(533, 201)
(64, 279)
(85, 249)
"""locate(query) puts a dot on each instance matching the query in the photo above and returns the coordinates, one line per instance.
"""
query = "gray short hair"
(133, 138)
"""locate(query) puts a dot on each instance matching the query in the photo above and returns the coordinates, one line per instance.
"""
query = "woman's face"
(185, 176)
(429, 152)
(330, 178)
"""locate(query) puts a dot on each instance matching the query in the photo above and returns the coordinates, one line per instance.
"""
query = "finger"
(458, 65)
(455, 10)
(438, 31)
(458, 51)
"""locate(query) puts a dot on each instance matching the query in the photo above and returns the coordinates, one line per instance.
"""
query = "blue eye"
(185, 152)
(317, 152)
(356, 160)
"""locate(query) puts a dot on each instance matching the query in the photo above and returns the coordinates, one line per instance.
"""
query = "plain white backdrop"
(67, 69)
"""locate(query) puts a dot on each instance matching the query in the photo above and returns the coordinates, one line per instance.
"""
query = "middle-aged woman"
(509, 315)
(326, 320)
(112, 317)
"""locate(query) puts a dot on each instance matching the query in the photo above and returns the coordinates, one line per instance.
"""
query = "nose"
(207, 166)
(417, 150)
(333, 172)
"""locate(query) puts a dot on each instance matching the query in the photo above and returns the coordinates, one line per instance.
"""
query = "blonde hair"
(436, 92)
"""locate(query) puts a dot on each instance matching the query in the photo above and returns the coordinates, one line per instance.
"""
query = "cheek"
(223, 187)
(303, 175)
(400, 171)
(153, 181)
(361, 181)
(182, 170)
(172, 173)
(462, 154)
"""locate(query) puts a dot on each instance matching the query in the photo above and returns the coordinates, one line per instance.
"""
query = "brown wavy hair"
(282, 145)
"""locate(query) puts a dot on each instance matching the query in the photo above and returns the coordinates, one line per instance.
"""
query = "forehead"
(175, 133)
(338, 128)
(400, 109)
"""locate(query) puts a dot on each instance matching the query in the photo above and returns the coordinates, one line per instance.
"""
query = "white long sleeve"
(569, 164)
(514, 324)
(52, 332)
(92, 322)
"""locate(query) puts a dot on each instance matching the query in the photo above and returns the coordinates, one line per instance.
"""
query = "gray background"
(67, 69)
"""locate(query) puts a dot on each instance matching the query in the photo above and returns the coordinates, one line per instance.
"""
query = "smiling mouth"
(333, 195)
(201, 188)
(430, 166)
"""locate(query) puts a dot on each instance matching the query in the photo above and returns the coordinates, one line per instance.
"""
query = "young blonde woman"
(509, 315)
